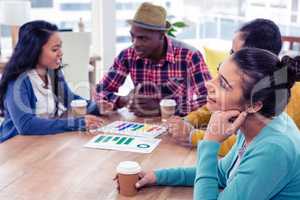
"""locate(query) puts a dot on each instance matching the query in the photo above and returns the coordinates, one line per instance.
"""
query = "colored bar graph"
(138, 127)
(134, 126)
(119, 126)
(151, 129)
(122, 140)
(129, 140)
(99, 139)
(107, 139)
(125, 127)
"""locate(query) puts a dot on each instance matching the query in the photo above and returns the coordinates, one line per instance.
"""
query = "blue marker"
(139, 126)
(135, 126)
(125, 127)
(120, 125)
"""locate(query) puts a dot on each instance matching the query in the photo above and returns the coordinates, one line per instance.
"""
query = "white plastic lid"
(128, 167)
(78, 103)
(167, 102)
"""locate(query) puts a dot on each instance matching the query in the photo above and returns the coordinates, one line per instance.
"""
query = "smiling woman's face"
(51, 55)
(225, 91)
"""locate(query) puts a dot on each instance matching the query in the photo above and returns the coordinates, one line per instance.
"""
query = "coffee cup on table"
(127, 177)
(78, 107)
(167, 109)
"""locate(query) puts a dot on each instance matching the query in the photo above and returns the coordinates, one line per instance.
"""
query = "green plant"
(175, 26)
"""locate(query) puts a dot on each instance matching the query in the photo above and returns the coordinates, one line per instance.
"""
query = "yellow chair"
(293, 107)
(199, 118)
(213, 58)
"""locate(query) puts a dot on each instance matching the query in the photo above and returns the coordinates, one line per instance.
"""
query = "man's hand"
(105, 107)
(122, 101)
(144, 106)
(141, 105)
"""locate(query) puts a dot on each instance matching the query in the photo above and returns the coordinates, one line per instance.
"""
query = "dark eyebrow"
(137, 35)
(224, 79)
(57, 45)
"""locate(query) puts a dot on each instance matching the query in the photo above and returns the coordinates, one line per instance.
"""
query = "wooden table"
(58, 167)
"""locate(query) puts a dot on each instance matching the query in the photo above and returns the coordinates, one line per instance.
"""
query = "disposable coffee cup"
(128, 176)
(167, 109)
(79, 107)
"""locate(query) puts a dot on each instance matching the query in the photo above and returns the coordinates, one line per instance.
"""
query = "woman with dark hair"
(247, 98)
(33, 91)
(258, 33)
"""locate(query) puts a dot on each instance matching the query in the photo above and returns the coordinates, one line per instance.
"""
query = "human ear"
(254, 107)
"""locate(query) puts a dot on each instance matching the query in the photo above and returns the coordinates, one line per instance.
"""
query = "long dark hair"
(267, 78)
(32, 37)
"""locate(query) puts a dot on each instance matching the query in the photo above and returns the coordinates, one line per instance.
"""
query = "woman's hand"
(92, 122)
(223, 124)
(179, 130)
(146, 179)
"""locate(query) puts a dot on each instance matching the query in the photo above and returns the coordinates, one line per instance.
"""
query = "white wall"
(103, 34)
(76, 47)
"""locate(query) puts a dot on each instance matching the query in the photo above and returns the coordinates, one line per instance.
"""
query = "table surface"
(58, 167)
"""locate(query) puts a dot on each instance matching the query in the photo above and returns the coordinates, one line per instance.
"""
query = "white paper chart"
(133, 129)
(123, 143)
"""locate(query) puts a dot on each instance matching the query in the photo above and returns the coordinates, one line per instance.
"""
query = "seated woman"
(247, 98)
(33, 91)
(259, 33)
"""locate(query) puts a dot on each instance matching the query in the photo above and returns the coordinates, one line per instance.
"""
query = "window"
(126, 5)
(75, 6)
(121, 23)
(66, 25)
(5, 31)
(207, 28)
(219, 19)
(123, 39)
(213, 19)
(65, 15)
(41, 3)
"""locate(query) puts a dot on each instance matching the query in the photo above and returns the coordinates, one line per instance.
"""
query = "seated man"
(159, 66)
(259, 33)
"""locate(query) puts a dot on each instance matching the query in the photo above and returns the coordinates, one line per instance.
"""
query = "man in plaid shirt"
(160, 67)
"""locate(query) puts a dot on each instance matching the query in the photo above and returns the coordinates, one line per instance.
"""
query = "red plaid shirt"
(180, 76)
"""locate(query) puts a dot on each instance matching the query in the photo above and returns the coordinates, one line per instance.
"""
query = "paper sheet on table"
(123, 143)
(133, 129)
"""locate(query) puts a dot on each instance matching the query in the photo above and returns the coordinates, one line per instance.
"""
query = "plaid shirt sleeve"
(198, 75)
(113, 79)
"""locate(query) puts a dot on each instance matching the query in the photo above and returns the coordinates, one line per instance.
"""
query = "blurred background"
(209, 22)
